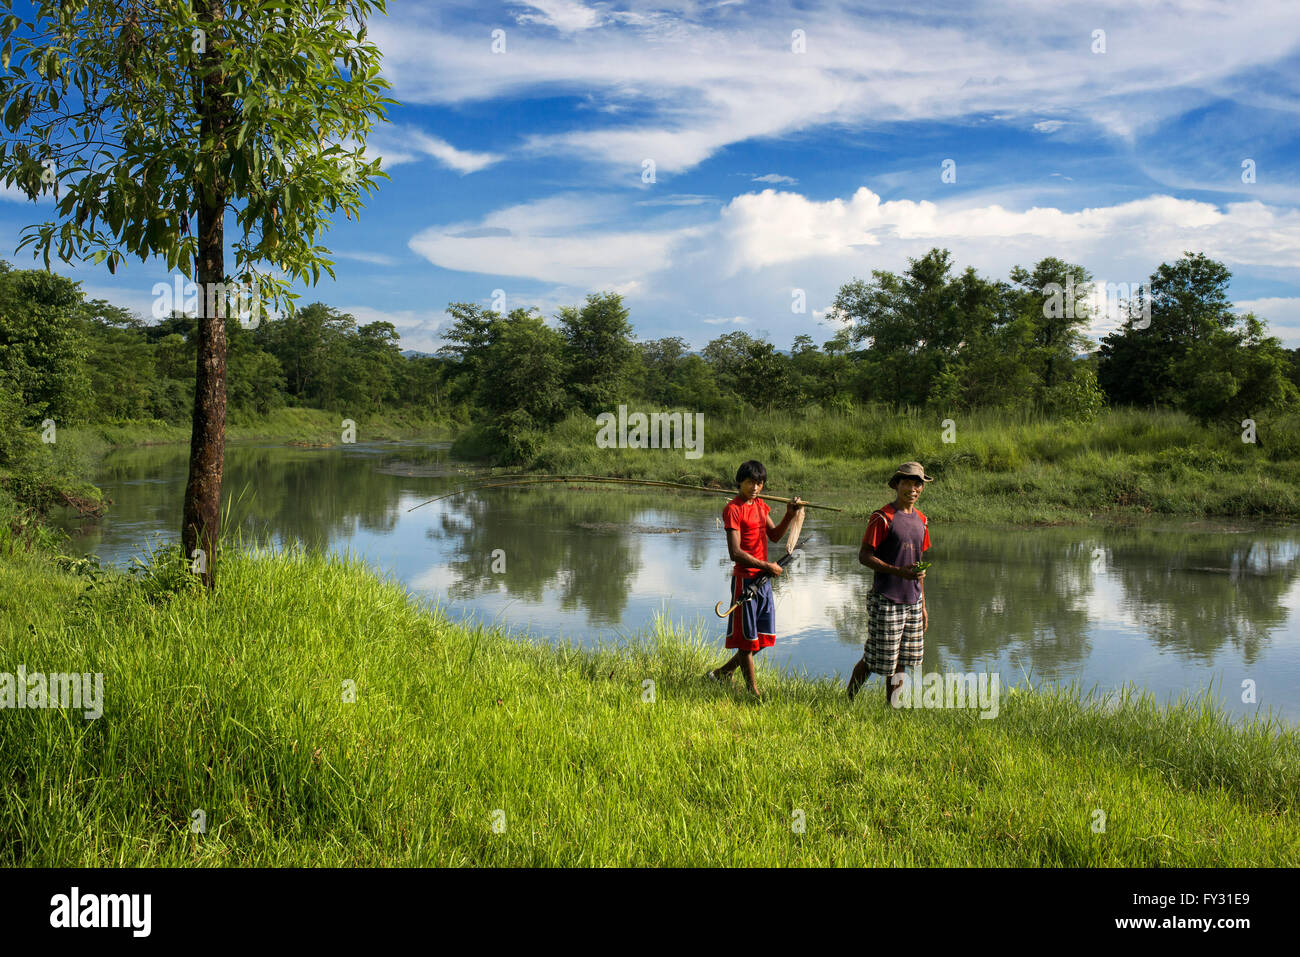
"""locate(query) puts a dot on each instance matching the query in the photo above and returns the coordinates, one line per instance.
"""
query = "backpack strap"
(884, 516)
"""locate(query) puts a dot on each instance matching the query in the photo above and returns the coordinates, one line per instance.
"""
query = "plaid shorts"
(894, 635)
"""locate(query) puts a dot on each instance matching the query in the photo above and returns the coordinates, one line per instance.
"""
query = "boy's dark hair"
(752, 469)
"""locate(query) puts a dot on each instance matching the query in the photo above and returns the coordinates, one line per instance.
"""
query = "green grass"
(1002, 467)
(316, 426)
(233, 703)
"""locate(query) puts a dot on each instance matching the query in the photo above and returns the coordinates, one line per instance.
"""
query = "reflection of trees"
(312, 496)
(991, 592)
(1023, 591)
(546, 548)
(1195, 593)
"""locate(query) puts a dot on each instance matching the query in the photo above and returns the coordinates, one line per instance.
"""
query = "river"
(1172, 608)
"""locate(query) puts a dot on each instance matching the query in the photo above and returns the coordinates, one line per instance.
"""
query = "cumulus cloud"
(741, 262)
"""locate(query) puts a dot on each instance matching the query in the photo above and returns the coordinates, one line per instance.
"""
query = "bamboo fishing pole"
(606, 479)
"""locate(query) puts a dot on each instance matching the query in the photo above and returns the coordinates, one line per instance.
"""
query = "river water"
(1171, 608)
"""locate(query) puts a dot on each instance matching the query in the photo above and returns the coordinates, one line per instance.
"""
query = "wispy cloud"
(567, 16)
(409, 145)
(708, 77)
(377, 259)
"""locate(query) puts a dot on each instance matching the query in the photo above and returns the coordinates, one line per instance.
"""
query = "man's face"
(750, 489)
(909, 490)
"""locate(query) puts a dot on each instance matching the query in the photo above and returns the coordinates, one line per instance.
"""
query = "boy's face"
(909, 490)
(749, 489)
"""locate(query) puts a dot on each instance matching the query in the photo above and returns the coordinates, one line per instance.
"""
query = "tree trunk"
(200, 523)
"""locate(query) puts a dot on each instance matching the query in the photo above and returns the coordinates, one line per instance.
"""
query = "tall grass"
(1000, 466)
(317, 426)
(464, 747)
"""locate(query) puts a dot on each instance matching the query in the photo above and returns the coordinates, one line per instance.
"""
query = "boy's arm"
(775, 531)
(743, 558)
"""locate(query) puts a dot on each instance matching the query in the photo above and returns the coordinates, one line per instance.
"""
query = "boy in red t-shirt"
(749, 528)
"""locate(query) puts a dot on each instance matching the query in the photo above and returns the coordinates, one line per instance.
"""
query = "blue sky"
(776, 170)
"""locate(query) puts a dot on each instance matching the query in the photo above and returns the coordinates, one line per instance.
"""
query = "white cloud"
(16, 195)
(133, 297)
(742, 261)
(1282, 315)
(704, 80)
(767, 228)
(677, 199)
(377, 259)
(1049, 126)
(775, 179)
(416, 327)
(409, 145)
(567, 16)
(558, 239)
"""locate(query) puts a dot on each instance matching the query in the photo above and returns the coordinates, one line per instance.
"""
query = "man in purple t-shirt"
(896, 537)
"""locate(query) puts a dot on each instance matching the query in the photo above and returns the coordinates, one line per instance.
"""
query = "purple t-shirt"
(901, 545)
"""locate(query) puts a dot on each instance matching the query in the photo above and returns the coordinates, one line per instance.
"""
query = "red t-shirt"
(751, 519)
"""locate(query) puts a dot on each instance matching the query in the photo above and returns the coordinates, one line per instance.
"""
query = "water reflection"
(1168, 607)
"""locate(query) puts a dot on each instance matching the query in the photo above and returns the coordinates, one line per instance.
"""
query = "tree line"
(930, 336)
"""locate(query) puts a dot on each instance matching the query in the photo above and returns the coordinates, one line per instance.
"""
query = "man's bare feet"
(860, 674)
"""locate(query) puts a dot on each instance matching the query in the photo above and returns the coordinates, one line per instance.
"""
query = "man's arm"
(743, 558)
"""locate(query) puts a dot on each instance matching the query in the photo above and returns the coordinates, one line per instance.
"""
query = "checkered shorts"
(894, 635)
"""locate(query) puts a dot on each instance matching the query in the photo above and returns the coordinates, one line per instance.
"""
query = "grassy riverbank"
(1002, 467)
(233, 704)
(46, 474)
(314, 426)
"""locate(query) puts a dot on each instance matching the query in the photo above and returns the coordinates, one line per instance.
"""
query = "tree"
(467, 340)
(660, 360)
(522, 385)
(598, 351)
(932, 337)
(1137, 365)
(1054, 301)
(42, 347)
(726, 356)
(1237, 373)
(154, 120)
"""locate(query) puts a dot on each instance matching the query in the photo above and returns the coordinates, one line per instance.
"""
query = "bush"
(1078, 399)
